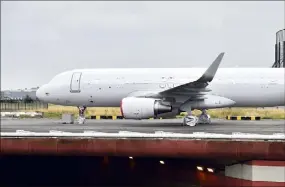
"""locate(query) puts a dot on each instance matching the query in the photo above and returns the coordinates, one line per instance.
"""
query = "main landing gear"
(81, 117)
(191, 120)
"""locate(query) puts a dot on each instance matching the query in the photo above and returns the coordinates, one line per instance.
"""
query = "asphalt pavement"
(145, 126)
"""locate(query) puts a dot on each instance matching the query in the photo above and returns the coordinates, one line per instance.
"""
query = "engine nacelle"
(143, 108)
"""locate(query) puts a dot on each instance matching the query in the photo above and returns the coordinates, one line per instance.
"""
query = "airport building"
(18, 94)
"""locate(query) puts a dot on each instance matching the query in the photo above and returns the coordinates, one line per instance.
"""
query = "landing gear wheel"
(190, 121)
(204, 118)
(81, 120)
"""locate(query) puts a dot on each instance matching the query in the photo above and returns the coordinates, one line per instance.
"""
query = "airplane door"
(75, 82)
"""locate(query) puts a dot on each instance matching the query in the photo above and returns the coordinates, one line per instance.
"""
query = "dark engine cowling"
(143, 108)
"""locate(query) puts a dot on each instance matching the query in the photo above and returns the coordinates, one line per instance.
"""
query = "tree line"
(26, 99)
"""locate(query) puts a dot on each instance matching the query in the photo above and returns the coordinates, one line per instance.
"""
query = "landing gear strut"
(191, 120)
(81, 117)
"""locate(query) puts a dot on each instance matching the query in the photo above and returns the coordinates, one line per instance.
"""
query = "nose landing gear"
(81, 117)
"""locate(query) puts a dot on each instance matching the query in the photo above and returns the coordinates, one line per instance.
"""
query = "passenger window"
(162, 85)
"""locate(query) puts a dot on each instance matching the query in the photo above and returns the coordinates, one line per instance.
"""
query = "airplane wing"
(192, 91)
(196, 89)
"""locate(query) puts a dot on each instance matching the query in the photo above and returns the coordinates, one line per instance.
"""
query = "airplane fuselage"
(248, 87)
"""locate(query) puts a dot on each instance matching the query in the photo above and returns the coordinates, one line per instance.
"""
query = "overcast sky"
(41, 39)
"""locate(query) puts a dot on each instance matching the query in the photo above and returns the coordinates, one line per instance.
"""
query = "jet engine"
(143, 108)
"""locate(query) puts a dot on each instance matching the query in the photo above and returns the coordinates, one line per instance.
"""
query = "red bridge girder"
(272, 150)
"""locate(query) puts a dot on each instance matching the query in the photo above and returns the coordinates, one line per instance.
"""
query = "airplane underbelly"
(246, 95)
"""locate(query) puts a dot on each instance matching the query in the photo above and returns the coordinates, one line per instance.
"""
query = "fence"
(22, 106)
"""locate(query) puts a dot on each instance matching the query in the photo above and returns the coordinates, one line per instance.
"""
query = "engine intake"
(143, 108)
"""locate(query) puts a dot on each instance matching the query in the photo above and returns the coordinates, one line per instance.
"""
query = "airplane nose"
(40, 93)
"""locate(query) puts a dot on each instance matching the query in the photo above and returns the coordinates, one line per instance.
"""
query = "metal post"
(279, 55)
(283, 54)
(276, 59)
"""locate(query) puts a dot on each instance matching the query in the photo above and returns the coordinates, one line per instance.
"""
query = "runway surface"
(145, 126)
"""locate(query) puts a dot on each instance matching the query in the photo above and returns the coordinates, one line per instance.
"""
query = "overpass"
(238, 159)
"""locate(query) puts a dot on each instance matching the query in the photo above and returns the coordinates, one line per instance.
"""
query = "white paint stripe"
(256, 173)
(124, 134)
(17, 114)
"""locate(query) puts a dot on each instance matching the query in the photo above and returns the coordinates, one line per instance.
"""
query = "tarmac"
(145, 126)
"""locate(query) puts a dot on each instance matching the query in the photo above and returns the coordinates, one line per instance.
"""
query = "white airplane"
(144, 93)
